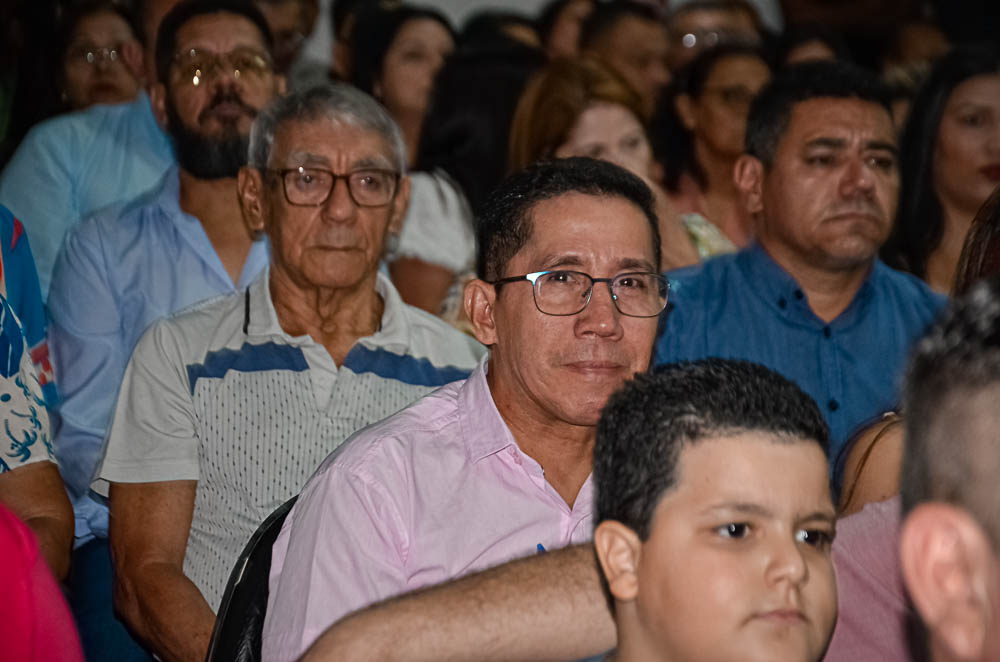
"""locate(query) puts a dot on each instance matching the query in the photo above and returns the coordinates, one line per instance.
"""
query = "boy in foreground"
(714, 520)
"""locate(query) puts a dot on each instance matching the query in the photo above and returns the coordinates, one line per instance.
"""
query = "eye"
(974, 120)
(632, 143)
(569, 278)
(734, 530)
(821, 160)
(814, 538)
(631, 282)
(884, 163)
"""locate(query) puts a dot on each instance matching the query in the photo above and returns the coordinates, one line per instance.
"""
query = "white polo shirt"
(220, 394)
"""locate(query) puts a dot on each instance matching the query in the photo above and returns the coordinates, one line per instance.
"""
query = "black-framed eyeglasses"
(196, 66)
(560, 292)
(311, 187)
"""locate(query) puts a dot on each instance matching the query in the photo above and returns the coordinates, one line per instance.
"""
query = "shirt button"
(826, 332)
(833, 405)
(782, 303)
(798, 294)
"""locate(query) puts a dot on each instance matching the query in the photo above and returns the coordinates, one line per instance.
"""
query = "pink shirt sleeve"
(342, 547)
(35, 623)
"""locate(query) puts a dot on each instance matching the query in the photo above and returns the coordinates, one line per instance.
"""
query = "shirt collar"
(261, 319)
(483, 429)
(769, 281)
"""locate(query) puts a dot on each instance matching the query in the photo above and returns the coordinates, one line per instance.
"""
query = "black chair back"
(240, 621)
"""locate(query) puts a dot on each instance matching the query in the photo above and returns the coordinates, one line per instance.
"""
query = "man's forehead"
(328, 141)
(204, 31)
(569, 219)
(818, 116)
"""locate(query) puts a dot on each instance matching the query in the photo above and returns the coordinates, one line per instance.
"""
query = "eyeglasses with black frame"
(311, 187)
(561, 292)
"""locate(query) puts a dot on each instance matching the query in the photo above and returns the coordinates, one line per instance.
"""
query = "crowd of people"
(622, 330)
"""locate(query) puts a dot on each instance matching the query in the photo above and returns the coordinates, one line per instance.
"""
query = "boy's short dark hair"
(771, 110)
(645, 426)
(176, 18)
(505, 223)
(952, 453)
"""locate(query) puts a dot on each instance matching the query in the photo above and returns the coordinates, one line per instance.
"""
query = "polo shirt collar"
(483, 429)
(261, 319)
(769, 282)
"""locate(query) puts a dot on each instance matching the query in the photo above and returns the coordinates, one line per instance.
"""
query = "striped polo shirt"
(220, 394)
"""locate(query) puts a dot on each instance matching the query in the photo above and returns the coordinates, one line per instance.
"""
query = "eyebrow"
(557, 261)
(310, 159)
(840, 143)
(760, 511)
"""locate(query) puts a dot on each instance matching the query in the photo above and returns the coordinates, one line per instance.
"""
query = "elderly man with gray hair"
(227, 408)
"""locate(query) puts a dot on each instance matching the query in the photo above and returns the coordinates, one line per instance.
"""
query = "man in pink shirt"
(497, 466)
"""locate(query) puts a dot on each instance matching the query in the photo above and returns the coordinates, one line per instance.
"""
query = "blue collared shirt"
(68, 167)
(745, 306)
(118, 271)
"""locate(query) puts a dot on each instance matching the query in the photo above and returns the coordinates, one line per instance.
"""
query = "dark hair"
(646, 424)
(467, 125)
(771, 110)
(339, 11)
(373, 35)
(717, 5)
(606, 16)
(672, 142)
(799, 35)
(980, 256)
(488, 27)
(505, 224)
(548, 17)
(920, 223)
(176, 18)
(951, 453)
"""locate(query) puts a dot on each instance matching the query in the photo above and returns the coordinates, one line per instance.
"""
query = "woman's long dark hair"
(673, 144)
(920, 221)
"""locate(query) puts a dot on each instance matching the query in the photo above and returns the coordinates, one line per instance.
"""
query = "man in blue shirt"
(180, 243)
(810, 299)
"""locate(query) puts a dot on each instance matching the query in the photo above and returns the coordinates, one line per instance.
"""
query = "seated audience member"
(630, 38)
(30, 485)
(581, 108)
(227, 408)
(463, 155)
(700, 136)
(397, 52)
(343, 20)
(948, 546)
(871, 464)
(810, 298)
(498, 466)
(35, 623)
(558, 26)
(100, 57)
(697, 25)
(133, 263)
(903, 83)
(713, 516)
(291, 22)
(70, 166)
(950, 156)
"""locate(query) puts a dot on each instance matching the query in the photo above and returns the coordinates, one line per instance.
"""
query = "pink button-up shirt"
(436, 491)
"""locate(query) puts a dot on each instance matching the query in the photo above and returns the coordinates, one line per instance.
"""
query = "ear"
(684, 105)
(132, 56)
(250, 187)
(400, 204)
(618, 550)
(946, 560)
(748, 175)
(158, 101)
(480, 302)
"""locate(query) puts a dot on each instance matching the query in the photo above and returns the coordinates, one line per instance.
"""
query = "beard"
(208, 157)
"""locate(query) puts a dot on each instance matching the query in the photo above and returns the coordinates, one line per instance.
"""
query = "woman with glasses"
(100, 58)
(698, 135)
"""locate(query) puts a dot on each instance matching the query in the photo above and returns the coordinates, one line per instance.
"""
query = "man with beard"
(132, 263)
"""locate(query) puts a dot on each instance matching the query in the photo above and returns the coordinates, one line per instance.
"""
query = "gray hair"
(338, 102)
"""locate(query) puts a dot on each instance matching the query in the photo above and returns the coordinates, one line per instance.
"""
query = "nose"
(787, 563)
(600, 317)
(858, 178)
(339, 206)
